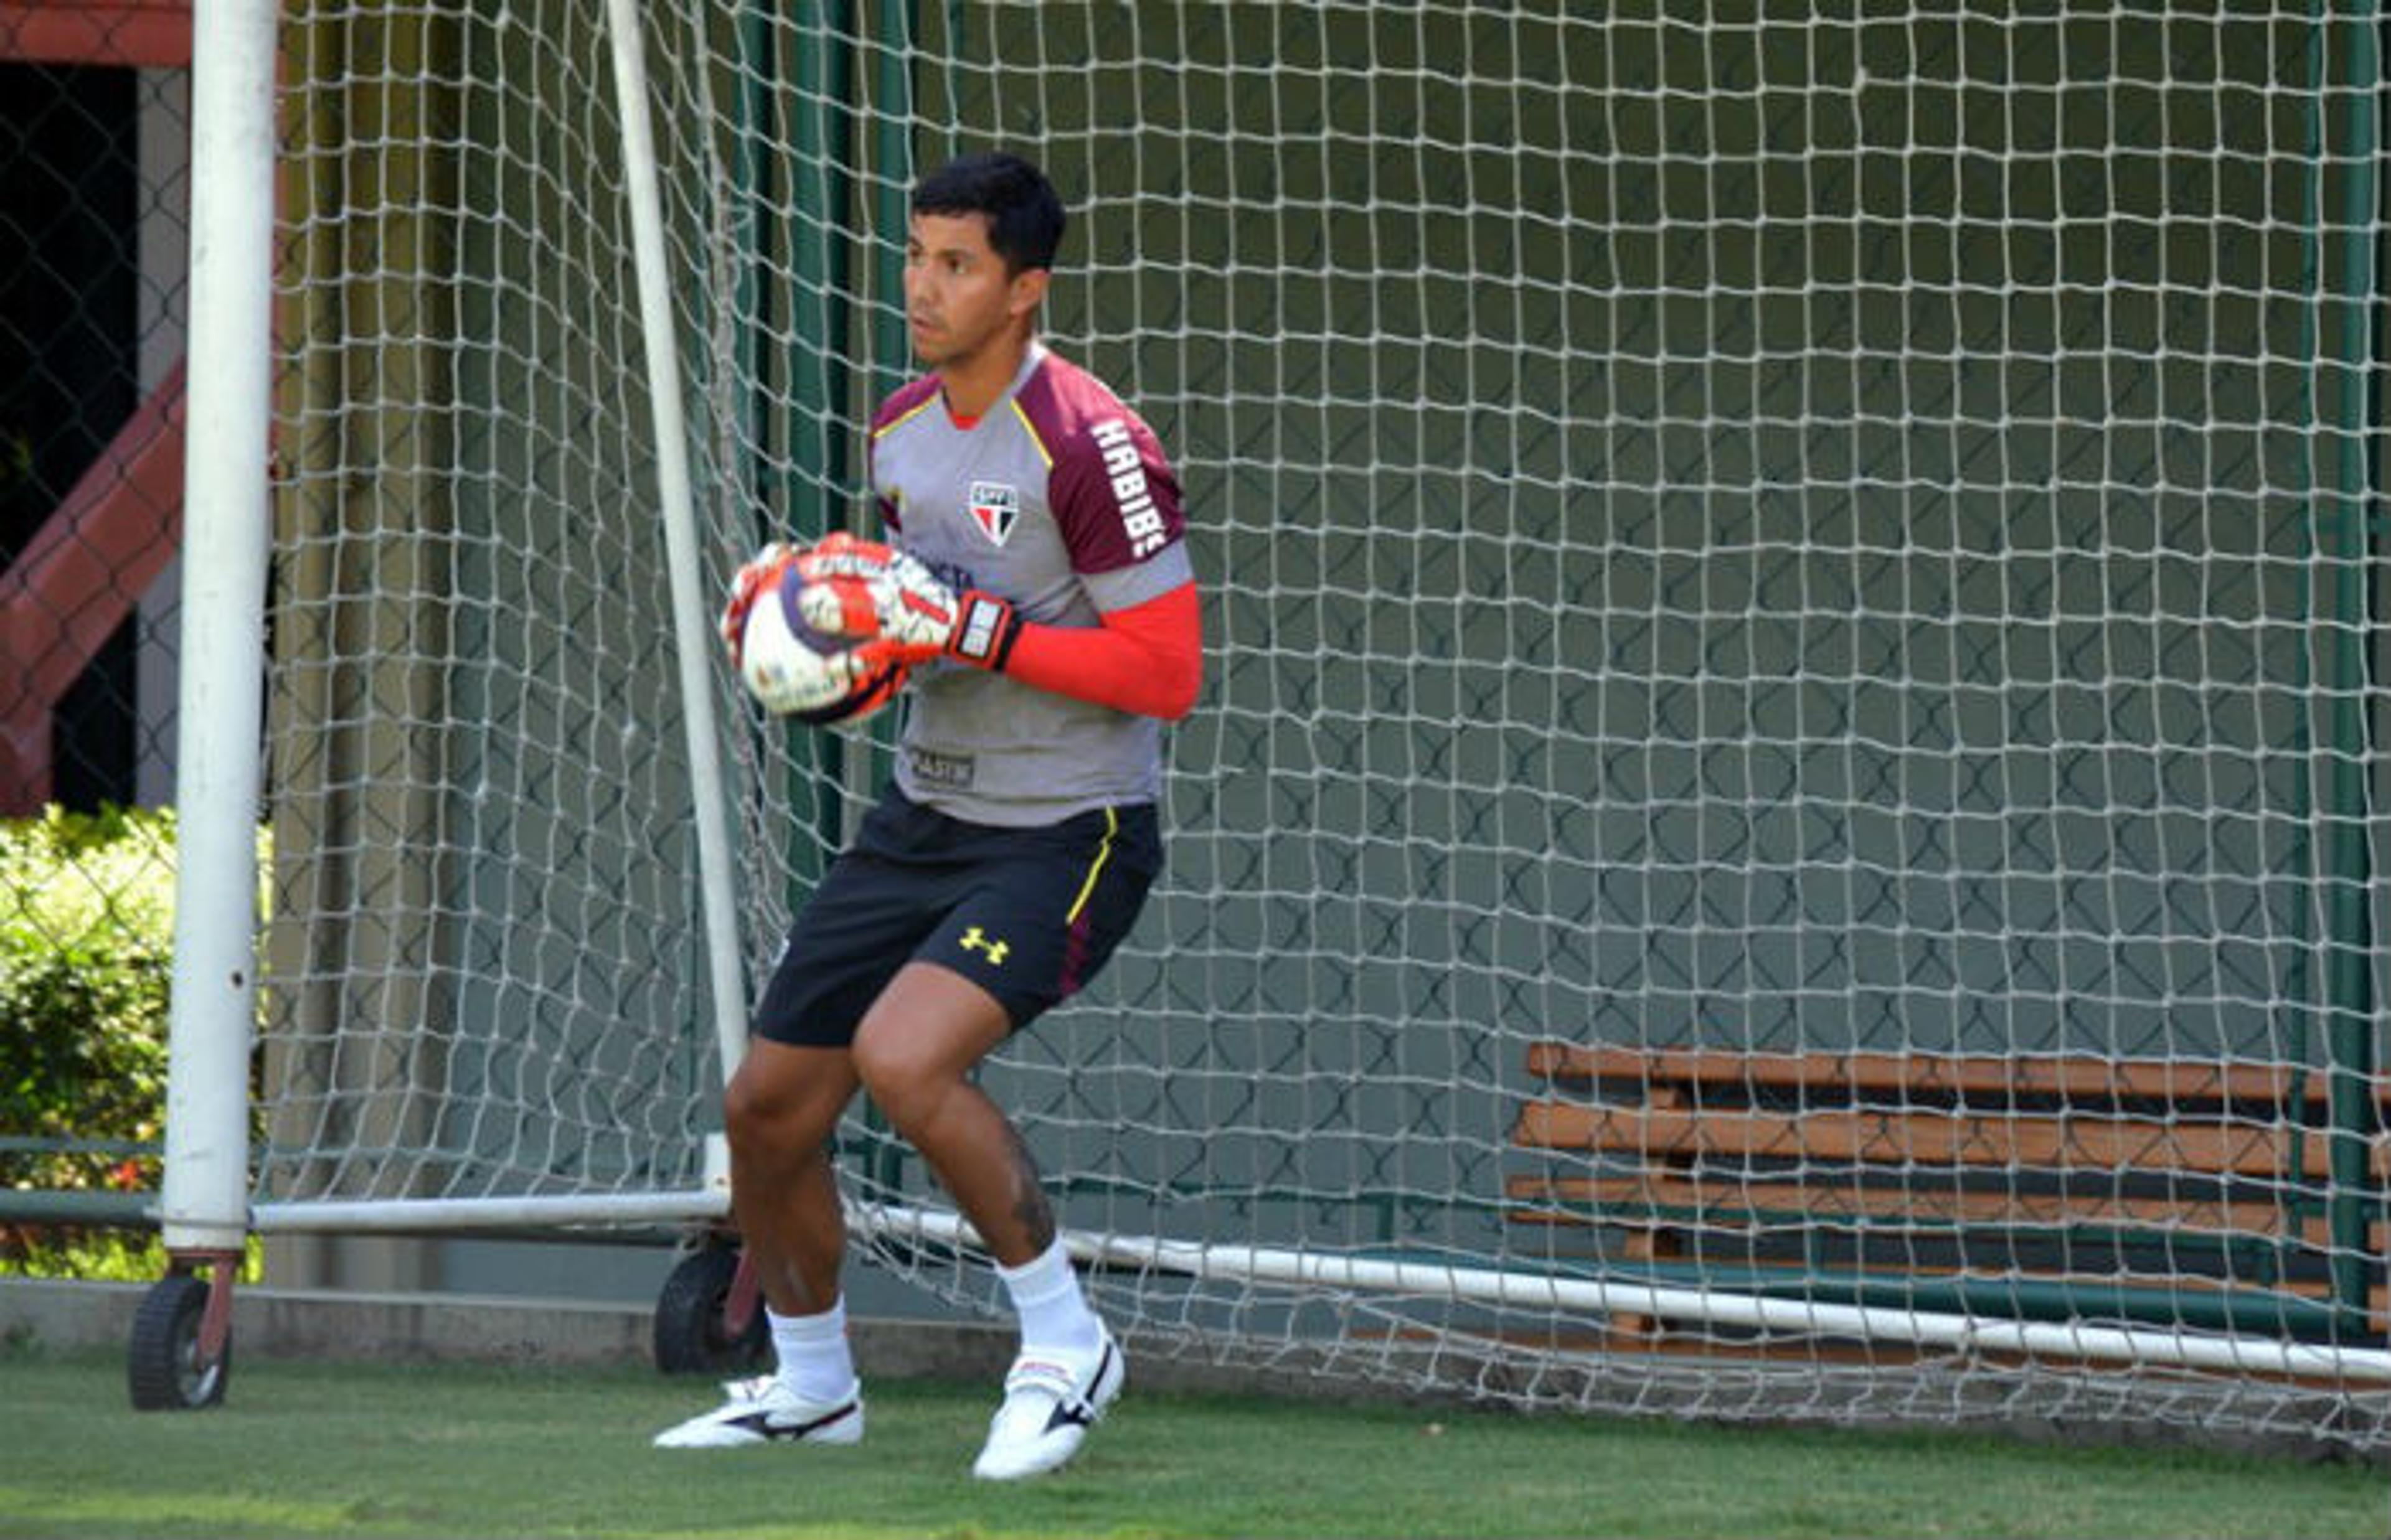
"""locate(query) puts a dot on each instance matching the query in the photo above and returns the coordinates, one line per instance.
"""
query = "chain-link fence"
(95, 133)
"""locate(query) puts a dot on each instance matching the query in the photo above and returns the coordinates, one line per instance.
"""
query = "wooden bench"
(2050, 1174)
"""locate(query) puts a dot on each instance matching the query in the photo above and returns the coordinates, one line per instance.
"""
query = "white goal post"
(1786, 814)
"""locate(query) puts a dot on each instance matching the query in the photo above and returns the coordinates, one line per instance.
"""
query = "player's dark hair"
(1025, 217)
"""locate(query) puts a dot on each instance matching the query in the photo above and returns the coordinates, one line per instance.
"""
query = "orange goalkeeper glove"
(898, 611)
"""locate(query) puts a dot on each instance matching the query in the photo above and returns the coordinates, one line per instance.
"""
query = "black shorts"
(1028, 913)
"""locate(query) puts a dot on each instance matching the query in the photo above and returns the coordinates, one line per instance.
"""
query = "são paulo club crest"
(995, 507)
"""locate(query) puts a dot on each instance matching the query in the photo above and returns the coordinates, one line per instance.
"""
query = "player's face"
(959, 299)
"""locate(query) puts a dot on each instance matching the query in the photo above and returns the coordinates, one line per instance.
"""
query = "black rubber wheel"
(691, 1336)
(165, 1370)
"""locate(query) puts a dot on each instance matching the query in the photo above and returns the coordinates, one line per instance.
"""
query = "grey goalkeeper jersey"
(1059, 500)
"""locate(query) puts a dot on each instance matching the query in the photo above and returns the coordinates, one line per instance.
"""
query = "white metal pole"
(225, 525)
(692, 633)
(430, 1215)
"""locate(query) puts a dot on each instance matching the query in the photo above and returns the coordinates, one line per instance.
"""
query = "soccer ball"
(798, 671)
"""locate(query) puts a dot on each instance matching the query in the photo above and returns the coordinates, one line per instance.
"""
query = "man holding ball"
(1040, 592)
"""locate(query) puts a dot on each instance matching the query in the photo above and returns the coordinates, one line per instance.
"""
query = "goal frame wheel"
(709, 1317)
(180, 1356)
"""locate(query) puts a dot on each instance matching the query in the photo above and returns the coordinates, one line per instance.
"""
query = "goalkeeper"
(1045, 602)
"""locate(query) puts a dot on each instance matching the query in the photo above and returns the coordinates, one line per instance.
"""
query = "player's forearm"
(1148, 659)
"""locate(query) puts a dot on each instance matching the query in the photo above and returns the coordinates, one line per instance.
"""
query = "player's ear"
(1029, 290)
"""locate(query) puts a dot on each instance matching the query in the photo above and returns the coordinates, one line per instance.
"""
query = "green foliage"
(85, 1252)
(86, 940)
(86, 947)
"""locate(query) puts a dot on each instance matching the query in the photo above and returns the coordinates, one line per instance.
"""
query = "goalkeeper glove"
(869, 590)
(834, 595)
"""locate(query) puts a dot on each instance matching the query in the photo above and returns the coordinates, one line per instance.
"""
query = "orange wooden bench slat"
(2189, 1285)
(2036, 1074)
(1654, 1200)
(2060, 1142)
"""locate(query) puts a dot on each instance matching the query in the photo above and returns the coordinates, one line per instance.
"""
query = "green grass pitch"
(318, 1449)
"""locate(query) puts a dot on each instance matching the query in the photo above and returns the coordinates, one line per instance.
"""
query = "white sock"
(814, 1358)
(1053, 1311)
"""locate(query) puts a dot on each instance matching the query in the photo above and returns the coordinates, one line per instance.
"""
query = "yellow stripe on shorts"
(1096, 867)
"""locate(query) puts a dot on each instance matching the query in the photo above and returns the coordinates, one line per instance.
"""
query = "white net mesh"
(1840, 534)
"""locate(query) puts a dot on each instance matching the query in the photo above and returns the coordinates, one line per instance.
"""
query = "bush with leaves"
(87, 939)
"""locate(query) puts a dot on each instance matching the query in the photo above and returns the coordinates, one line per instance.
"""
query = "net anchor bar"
(412, 1215)
(1594, 1296)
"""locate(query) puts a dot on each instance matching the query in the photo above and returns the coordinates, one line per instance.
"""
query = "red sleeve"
(1147, 659)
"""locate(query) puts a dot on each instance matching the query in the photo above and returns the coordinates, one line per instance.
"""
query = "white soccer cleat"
(762, 1411)
(1051, 1401)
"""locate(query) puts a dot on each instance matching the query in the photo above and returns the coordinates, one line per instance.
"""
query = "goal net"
(1783, 818)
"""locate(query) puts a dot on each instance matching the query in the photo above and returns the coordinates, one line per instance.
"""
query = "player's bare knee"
(764, 1121)
(905, 1083)
(747, 1121)
(776, 1085)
